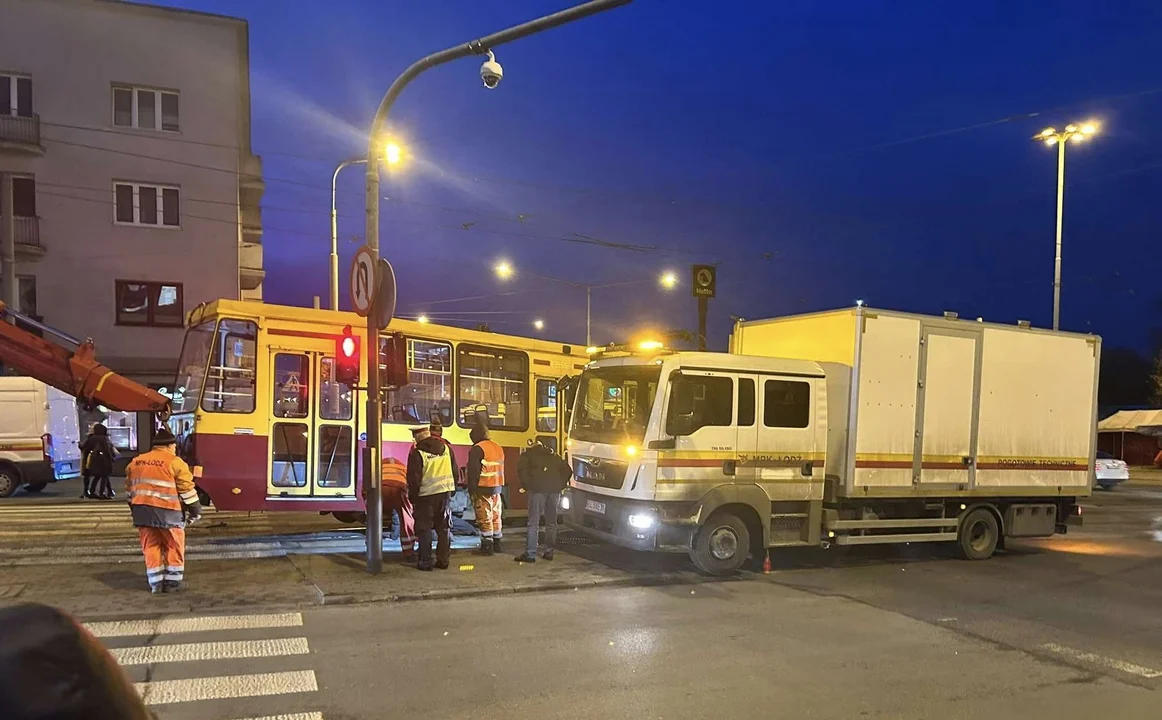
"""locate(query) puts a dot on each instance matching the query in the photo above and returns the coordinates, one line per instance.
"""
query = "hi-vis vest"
(160, 479)
(492, 469)
(437, 476)
(393, 472)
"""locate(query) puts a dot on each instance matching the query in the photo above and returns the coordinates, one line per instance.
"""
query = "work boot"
(486, 546)
(171, 586)
(425, 566)
(157, 589)
(548, 554)
(525, 558)
(442, 564)
(495, 544)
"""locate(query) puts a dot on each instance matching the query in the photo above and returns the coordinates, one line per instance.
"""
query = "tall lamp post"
(391, 156)
(490, 73)
(1060, 138)
(504, 270)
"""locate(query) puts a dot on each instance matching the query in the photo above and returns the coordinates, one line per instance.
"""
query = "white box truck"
(39, 435)
(850, 427)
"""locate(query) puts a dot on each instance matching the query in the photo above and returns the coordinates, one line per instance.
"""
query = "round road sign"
(363, 281)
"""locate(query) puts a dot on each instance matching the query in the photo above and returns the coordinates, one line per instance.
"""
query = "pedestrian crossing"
(217, 667)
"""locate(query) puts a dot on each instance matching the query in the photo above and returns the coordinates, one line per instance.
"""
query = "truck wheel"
(978, 535)
(721, 545)
(35, 487)
(9, 480)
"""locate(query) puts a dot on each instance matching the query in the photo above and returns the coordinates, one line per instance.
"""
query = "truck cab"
(708, 453)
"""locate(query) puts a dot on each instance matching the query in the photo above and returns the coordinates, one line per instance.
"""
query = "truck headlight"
(565, 504)
(642, 521)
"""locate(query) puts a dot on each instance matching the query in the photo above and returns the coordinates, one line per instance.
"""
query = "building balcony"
(250, 179)
(250, 272)
(251, 218)
(27, 242)
(20, 134)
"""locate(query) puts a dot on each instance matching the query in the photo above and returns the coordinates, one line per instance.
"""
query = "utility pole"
(480, 46)
(704, 284)
(8, 242)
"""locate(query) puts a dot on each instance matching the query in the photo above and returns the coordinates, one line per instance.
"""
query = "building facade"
(125, 135)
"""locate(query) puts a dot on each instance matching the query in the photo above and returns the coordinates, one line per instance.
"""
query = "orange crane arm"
(75, 372)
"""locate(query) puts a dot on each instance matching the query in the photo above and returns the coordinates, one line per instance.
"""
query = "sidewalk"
(117, 589)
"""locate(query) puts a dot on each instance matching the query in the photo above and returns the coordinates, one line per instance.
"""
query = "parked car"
(1110, 471)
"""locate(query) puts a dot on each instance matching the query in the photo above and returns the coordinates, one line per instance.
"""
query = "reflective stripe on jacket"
(492, 466)
(160, 479)
(393, 472)
(437, 477)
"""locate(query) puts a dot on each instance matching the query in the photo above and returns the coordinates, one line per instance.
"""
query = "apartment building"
(125, 132)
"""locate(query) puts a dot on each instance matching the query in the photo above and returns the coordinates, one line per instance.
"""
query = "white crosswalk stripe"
(179, 663)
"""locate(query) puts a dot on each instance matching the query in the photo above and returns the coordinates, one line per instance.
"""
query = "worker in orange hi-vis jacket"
(161, 493)
(395, 498)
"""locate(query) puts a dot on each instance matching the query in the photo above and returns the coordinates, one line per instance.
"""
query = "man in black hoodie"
(431, 482)
(543, 475)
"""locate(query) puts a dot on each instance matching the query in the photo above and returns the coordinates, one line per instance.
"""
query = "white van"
(39, 435)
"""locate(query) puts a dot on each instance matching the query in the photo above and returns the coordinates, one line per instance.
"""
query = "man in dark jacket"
(430, 485)
(543, 475)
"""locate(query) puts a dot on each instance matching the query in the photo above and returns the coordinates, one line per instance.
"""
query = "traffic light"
(347, 358)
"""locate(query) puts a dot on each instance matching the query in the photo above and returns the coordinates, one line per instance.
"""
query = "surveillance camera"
(491, 72)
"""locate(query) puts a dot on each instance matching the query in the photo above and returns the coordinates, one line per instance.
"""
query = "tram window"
(230, 380)
(192, 367)
(334, 456)
(546, 406)
(428, 394)
(289, 455)
(292, 385)
(549, 441)
(497, 379)
(334, 397)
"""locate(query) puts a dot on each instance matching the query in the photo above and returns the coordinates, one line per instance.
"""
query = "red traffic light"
(347, 358)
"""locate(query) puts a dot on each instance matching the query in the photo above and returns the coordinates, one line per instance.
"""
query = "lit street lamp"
(490, 75)
(1052, 136)
(667, 280)
(392, 154)
(539, 324)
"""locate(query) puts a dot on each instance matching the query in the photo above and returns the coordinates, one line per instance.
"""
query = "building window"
(149, 304)
(153, 205)
(145, 109)
(23, 197)
(15, 95)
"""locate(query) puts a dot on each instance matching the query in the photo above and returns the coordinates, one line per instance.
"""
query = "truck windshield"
(192, 367)
(613, 403)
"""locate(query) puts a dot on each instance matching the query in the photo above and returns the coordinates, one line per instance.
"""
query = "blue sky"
(819, 152)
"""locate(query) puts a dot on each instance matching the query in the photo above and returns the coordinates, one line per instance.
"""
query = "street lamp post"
(481, 46)
(391, 155)
(504, 270)
(1051, 136)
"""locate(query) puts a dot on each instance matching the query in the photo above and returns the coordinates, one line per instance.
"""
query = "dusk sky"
(818, 152)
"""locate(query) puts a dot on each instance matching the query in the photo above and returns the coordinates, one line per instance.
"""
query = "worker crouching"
(430, 485)
(485, 484)
(161, 493)
(396, 500)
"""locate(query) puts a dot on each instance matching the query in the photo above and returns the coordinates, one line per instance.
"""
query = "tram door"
(548, 424)
(312, 426)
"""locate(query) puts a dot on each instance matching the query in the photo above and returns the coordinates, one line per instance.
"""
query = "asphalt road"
(1064, 628)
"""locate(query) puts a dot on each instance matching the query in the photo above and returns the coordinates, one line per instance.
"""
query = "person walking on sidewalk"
(97, 460)
(430, 485)
(161, 493)
(543, 475)
(485, 484)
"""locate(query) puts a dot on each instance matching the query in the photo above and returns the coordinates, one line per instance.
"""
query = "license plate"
(594, 506)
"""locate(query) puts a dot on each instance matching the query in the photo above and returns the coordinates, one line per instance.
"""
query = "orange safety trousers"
(165, 554)
(487, 509)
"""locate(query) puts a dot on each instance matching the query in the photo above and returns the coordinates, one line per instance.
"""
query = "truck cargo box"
(943, 406)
